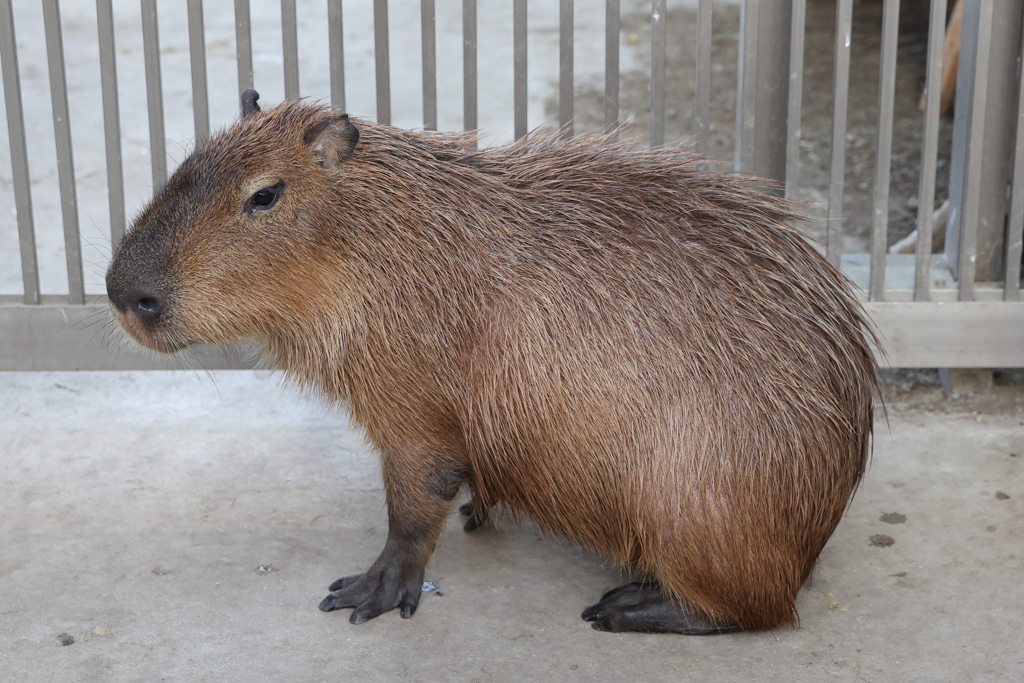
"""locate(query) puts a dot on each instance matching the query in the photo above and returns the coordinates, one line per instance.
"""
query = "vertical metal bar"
(702, 113)
(154, 94)
(565, 50)
(796, 88)
(840, 99)
(520, 102)
(658, 38)
(990, 36)
(762, 89)
(381, 53)
(929, 152)
(429, 44)
(1006, 42)
(611, 63)
(243, 44)
(883, 156)
(746, 87)
(336, 38)
(19, 155)
(290, 49)
(111, 120)
(469, 83)
(197, 48)
(1015, 225)
(65, 160)
(972, 178)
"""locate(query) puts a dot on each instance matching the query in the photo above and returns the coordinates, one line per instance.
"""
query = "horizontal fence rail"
(77, 161)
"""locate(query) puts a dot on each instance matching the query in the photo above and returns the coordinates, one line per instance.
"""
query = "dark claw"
(342, 582)
(328, 604)
(360, 616)
(408, 609)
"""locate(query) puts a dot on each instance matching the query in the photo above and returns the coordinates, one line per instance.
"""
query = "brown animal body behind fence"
(639, 356)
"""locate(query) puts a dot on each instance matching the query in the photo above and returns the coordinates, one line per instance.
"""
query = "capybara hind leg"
(644, 607)
(415, 521)
(476, 515)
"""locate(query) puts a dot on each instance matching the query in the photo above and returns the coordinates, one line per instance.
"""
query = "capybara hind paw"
(375, 592)
(476, 518)
(643, 607)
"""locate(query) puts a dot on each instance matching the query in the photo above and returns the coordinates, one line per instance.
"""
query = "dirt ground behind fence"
(862, 117)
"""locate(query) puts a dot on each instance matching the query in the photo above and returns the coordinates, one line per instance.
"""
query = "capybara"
(639, 356)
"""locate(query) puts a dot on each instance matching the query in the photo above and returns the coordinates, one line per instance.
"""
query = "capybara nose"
(142, 302)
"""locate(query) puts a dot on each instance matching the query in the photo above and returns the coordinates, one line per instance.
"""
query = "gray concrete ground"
(136, 508)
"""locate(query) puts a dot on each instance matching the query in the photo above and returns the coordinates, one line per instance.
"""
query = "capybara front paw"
(375, 592)
(643, 607)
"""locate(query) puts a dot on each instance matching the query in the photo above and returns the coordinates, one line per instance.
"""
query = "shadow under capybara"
(639, 356)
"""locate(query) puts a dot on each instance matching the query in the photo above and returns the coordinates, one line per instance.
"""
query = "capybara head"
(224, 251)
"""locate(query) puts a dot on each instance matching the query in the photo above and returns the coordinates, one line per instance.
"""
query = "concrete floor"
(135, 509)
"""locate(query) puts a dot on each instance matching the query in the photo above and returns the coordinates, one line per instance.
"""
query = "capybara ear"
(249, 106)
(332, 141)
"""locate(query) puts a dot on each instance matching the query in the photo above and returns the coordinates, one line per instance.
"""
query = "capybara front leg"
(419, 495)
(644, 607)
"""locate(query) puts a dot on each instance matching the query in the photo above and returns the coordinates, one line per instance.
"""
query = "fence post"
(983, 135)
(762, 93)
(382, 58)
(19, 154)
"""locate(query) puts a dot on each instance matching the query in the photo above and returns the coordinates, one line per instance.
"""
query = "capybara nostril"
(147, 307)
(135, 300)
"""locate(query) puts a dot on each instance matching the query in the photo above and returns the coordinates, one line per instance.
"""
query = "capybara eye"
(266, 198)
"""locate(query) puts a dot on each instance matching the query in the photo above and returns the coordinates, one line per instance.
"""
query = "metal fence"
(941, 310)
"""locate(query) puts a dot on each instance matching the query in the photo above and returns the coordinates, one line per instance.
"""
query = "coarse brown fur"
(640, 356)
